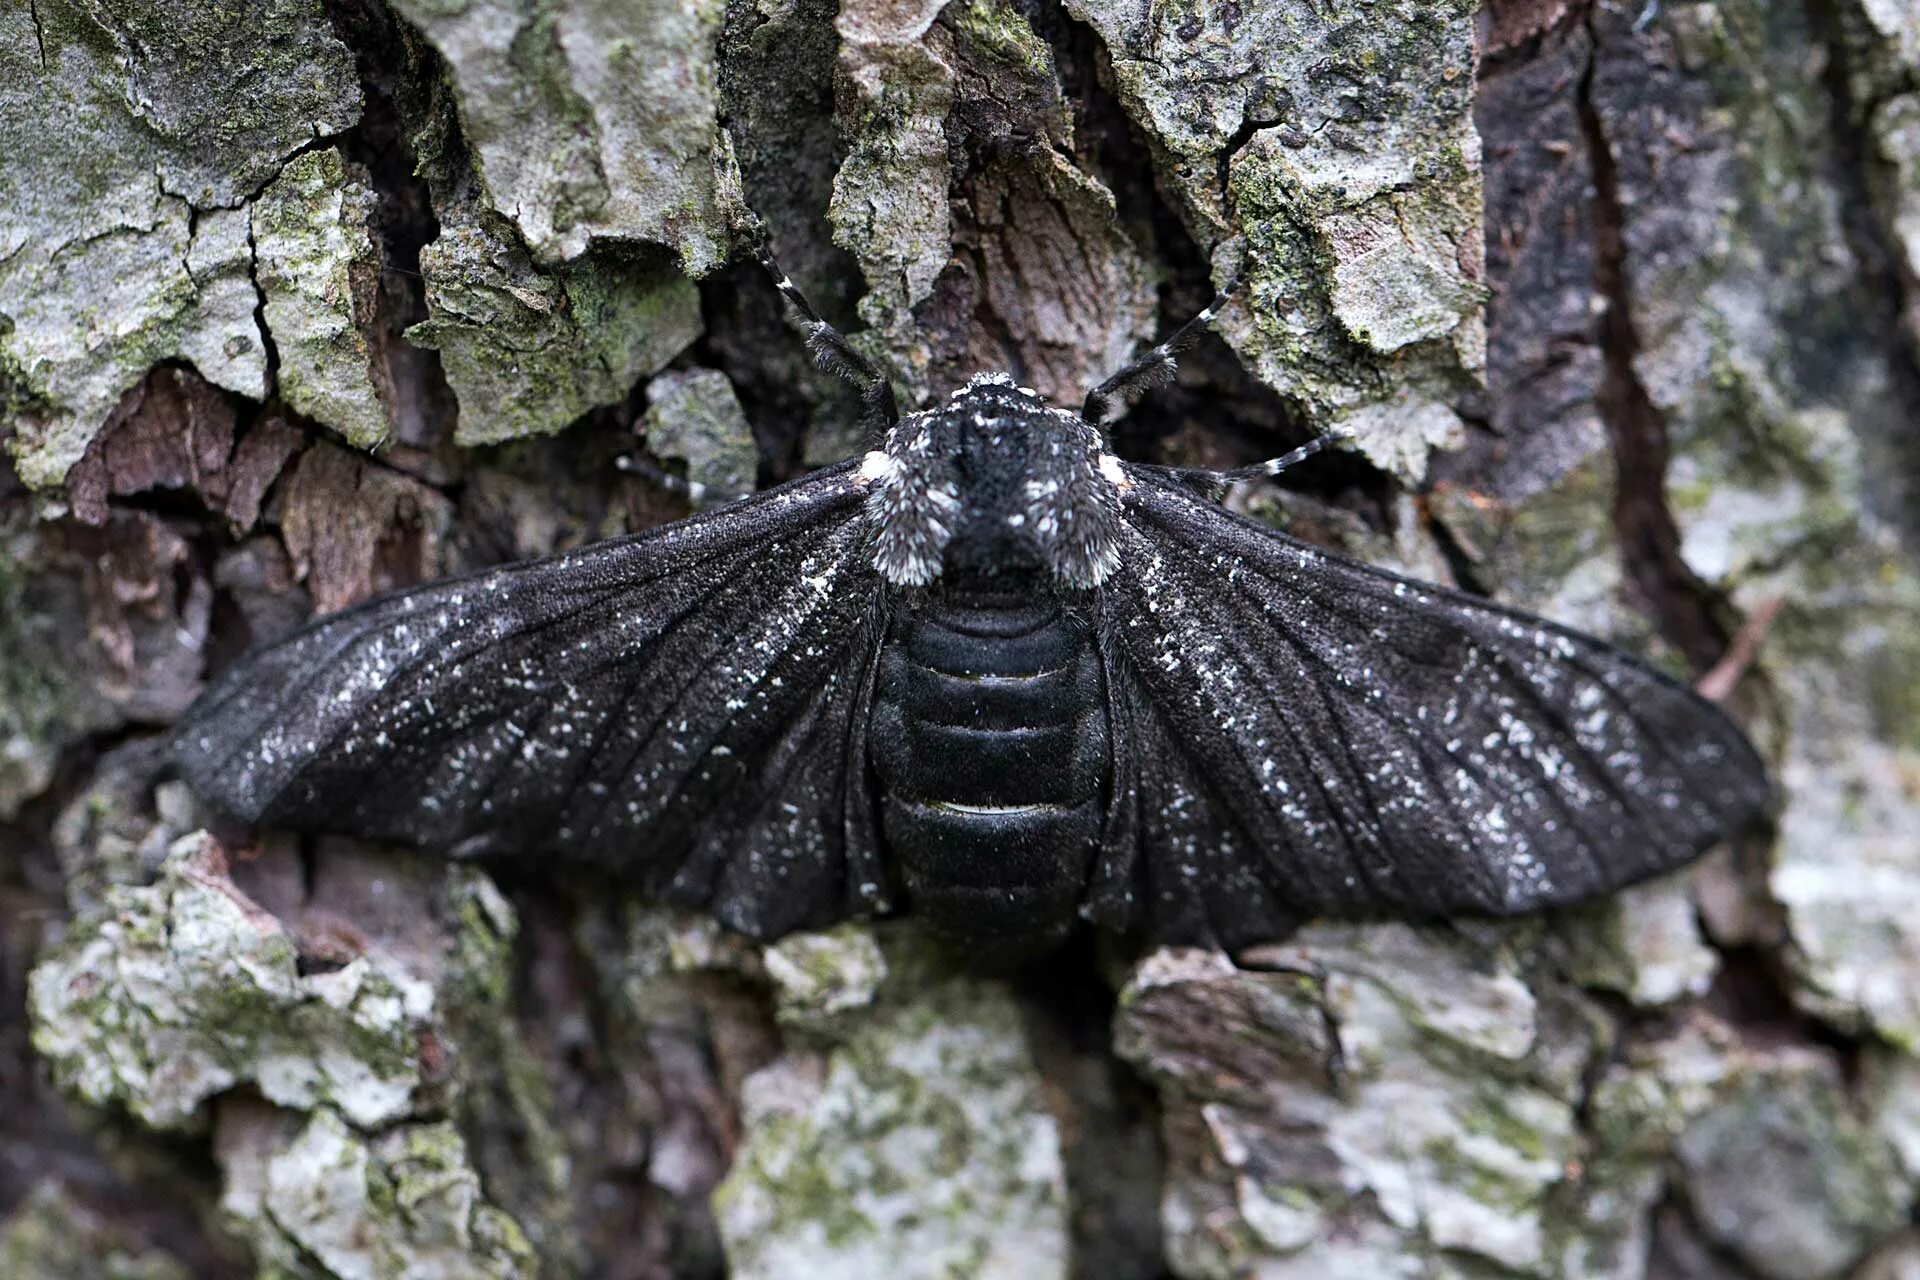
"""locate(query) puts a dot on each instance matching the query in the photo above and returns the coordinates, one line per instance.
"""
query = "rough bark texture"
(301, 299)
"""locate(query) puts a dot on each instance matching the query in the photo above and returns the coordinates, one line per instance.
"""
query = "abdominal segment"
(991, 742)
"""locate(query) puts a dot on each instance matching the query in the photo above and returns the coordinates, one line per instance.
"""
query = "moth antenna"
(1274, 466)
(832, 352)
(1157, 366)
(1214, 483)
(695, 492)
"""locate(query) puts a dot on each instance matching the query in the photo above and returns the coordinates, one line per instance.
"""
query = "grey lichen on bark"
(890, 205)
(528, 349)
(577, 204)
(905, 1131)
(588, 121)
(1799, 1181)
(126, 164)
(150, 218)
(957, 132)
(1328, 155)
(1783, 404)
(1356, 1100)
(317, 271)
(328, 1200)
(175, 992)
(163, 998)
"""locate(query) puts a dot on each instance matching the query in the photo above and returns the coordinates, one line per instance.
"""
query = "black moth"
(994, 673)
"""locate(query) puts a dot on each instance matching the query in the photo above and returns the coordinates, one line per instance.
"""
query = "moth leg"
(832, 352)
(1156, 367)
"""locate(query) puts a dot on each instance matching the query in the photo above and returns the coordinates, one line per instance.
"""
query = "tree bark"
(304, 299)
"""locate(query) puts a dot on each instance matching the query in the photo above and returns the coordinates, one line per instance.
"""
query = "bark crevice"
(1884, 291)
(1649, 539)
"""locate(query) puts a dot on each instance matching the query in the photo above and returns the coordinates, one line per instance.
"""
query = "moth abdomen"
(991, 743)
(1012, 875)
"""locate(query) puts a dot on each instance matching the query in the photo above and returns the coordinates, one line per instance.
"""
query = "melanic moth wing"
(1355, 743)
(1173, 863)
(686, 706)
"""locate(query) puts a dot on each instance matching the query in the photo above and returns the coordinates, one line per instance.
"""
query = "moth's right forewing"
(1369, 744)
(610, 704)
(1175, 862)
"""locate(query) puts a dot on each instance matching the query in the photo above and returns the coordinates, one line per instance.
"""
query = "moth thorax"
(996, 483)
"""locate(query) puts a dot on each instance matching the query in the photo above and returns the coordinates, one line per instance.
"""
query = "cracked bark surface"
(308, 299)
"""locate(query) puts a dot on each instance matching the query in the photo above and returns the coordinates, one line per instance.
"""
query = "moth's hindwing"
(1307, 734)
(688, 705)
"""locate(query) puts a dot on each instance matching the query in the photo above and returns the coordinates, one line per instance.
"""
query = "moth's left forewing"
(1374, 744)
(625, 704)
(779, 818)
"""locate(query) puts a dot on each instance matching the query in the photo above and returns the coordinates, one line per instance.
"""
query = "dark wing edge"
(1309, 734)
(686, 706)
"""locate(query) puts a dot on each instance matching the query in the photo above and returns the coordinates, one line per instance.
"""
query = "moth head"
(994, 483)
